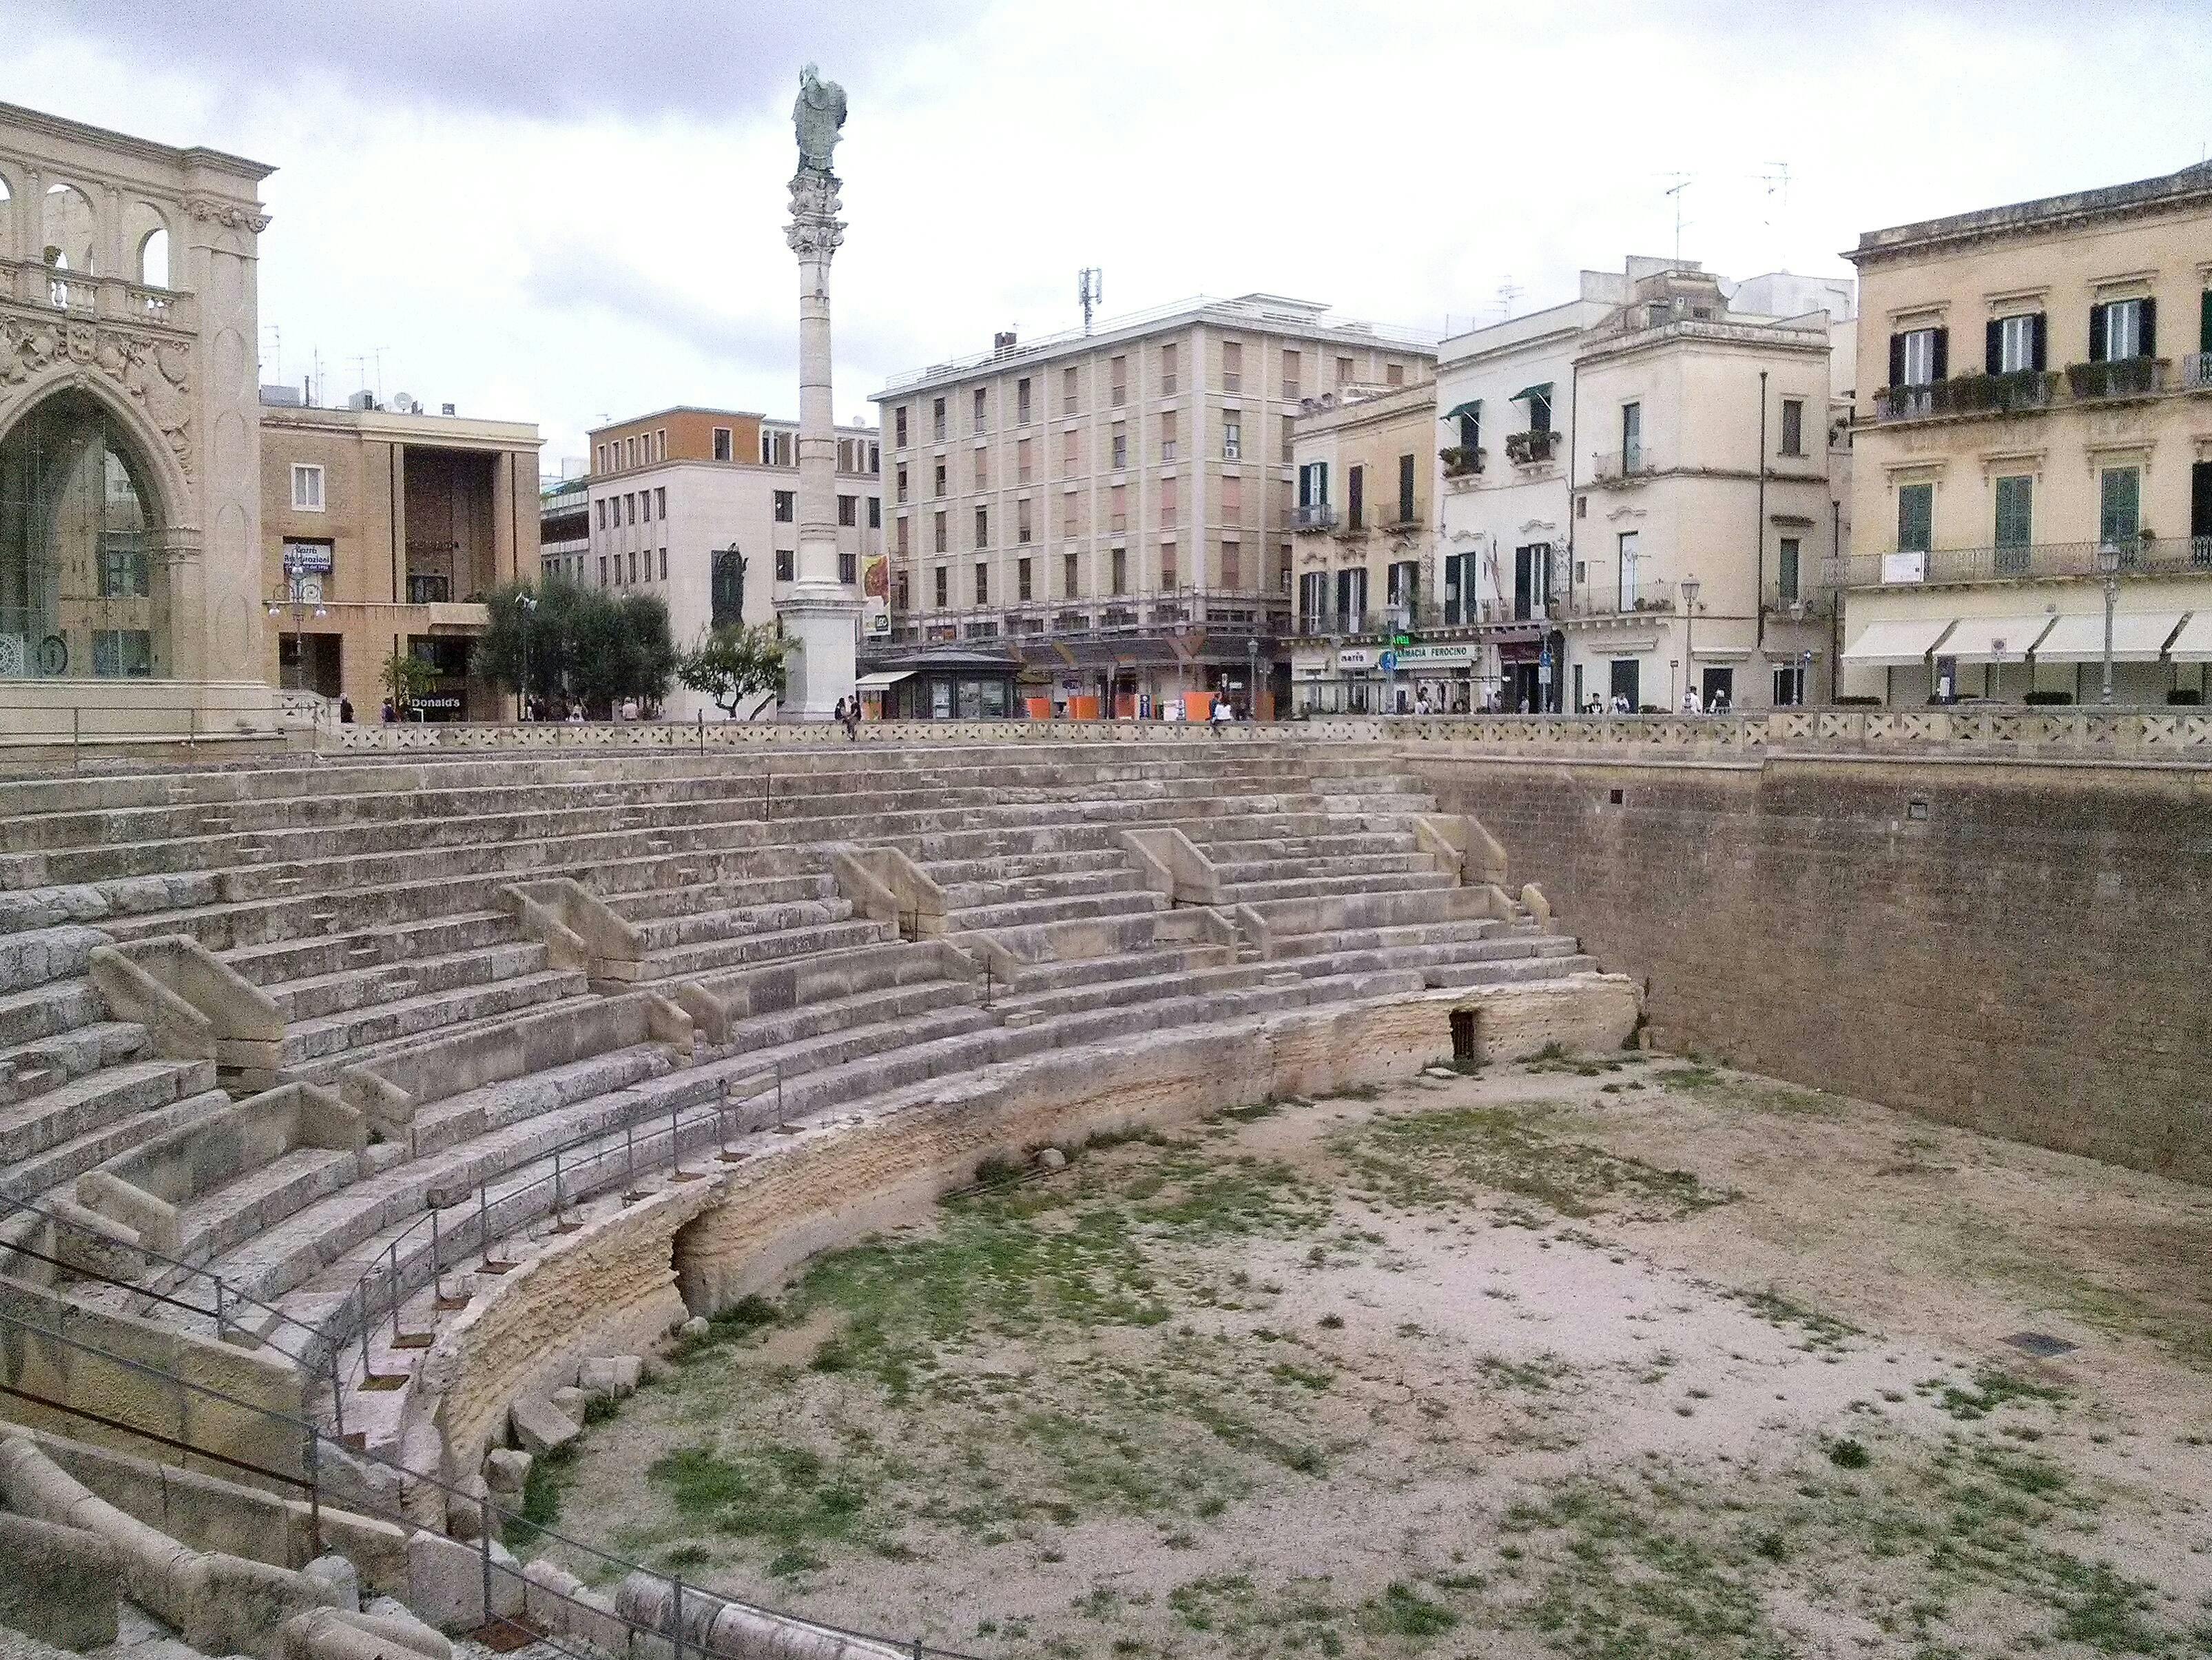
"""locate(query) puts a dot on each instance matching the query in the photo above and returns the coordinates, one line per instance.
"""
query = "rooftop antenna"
(1683, 182)
(1776, 180)
(1508, 292)
(276, 336)
(1090, 292)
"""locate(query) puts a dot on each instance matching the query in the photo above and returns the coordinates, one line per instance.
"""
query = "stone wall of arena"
(614, 1285)
(2016, 945)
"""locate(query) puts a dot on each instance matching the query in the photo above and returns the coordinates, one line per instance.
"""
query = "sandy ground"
(1603, 1356)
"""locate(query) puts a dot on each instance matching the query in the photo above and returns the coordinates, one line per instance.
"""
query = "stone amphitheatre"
(992, 1190)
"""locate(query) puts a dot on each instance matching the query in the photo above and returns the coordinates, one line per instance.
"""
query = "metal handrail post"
(314, 1492)
(676, 1615)
(484, 1551)
(361, 1287)
(392, 1272)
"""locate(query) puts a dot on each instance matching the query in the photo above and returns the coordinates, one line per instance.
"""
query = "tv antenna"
(1683, 182)
(1508, 292)
(1090, 292)
(1776, 180)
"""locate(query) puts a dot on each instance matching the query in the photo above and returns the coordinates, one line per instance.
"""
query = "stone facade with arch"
(130, 490)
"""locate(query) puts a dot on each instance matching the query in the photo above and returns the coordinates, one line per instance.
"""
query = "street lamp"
(2108, 567)
(1252, 677)
(529, 604)
(304, 600)
(1689, 632)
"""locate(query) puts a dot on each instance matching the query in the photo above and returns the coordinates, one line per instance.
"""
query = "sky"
(562, 212)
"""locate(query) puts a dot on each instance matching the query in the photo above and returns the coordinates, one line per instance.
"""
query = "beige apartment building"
(1116, 506)
(383, 531)
(1363, 461)
(700, 507)
(1708, 496)
(2039, 435)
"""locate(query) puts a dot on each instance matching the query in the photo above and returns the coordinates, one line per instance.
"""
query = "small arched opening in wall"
(152, 244)
(6, 213)
(68, 232)
(1466, 1034)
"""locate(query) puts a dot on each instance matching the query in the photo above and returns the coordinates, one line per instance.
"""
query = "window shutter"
(1942, 354)
(1993, 347)
(2204, 321)
(2096, 334)
(1896, 360)
(2149, 345)
(2041, 349)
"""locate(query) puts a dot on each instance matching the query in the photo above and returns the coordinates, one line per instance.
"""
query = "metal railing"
(1633, 600)
(1614, 465)
(1160, 610)
(2021, 392)
(2171, 556)
(680, 1616)
(2196, 371)
(1527, 449)
(1312, 516)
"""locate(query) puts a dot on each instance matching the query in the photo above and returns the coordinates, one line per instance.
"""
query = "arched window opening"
(70, 234)
(81, 591)
(153, 258)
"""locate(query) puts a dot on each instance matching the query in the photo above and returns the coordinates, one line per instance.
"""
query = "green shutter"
(2204, 321)
(1916, 517)
(2119, 515)
(2015, 511)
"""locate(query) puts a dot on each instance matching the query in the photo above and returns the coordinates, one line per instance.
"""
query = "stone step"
(319, 1047)
(36, 956)
(256, 1201)
(706, 956)
(49, 1009)
(345, 947)
(665, 933)
(1023, 913)
(1121, 966)
(372, 984)
(1318, 887)
(1122, 992)
(1515, 970)
(969, 895)
(31, 1068)
(688, 897)
(771, 1033)
(71, 1109)
(61, 1164)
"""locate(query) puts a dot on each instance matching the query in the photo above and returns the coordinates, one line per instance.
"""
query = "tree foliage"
(737, 665)
(405, 676)
(560, 640)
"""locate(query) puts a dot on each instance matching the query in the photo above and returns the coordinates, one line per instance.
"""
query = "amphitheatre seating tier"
(712, 980)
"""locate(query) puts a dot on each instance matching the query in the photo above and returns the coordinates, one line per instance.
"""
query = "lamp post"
(304, 598)
(529, 604)
(1252, 677)
(2108, 567)
(1689, 633)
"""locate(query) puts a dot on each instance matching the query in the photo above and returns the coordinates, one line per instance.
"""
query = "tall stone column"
(817, 610)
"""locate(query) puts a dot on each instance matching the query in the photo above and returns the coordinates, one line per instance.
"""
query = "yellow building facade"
(2033, 435)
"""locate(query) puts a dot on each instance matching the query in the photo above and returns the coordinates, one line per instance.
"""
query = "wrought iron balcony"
(1636, 598)
(2130, 377)
(1615, 465)
(1462, 460)
(2196, 371)
(2171, 556)
(1310, 516)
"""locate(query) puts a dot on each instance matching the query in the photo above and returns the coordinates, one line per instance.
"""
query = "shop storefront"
(942, 683)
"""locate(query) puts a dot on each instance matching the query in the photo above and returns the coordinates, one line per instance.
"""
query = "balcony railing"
(1636, 598)
(2170, 555)
(428, 590)
(1462, 460)
(1177, 611)
(36, 283)
(2196, 371)
(2023, 392)
(1309, 516)
(1528, 449)
(1614, 465)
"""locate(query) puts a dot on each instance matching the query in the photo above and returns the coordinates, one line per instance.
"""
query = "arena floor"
(1610, 1357)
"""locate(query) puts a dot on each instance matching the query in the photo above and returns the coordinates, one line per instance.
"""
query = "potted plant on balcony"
(1461, 459)
(1526, 448)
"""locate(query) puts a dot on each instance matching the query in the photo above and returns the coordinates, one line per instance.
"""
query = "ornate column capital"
(815, 231)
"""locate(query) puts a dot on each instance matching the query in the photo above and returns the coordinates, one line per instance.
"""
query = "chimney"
(1002, 343)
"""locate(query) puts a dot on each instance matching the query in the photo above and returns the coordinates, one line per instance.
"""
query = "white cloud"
(549, 211)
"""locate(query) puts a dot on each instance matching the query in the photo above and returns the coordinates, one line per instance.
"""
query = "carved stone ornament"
(228, 215)
(815, 232)
(154, 374)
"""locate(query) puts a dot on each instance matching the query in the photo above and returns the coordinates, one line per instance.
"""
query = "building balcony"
(1529, 449)
(1177, 610)
(1462, 460)
(1624, 465)
(1643, 597)
(2028, 391)
(2172, 556)
(36, 284)
(1307, 518)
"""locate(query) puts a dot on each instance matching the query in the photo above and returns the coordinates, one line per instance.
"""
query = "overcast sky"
(554, 210)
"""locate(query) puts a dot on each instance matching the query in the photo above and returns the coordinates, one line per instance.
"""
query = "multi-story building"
(129, 495)
(564, 530)
(2040, 439)
(1116, 505)
(1360, 553)
(383, 530)
(700, 507)
(1596, 452)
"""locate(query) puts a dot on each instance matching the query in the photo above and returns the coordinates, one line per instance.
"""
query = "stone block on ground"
(506, 1471)
(58, 1584)
(694, 1328)
(336, 1573)
(445, 1583)
(570, 1403)
(609, 1377)
(539, 1428)
(507, 1585)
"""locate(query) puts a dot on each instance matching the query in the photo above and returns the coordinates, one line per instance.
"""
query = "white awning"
(1990, 638)
(2137, 637)
(878, 681)
(1897, 644)
(2194, 643)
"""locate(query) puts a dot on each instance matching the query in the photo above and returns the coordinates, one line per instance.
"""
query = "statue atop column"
(819, 610)
(819, 118)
